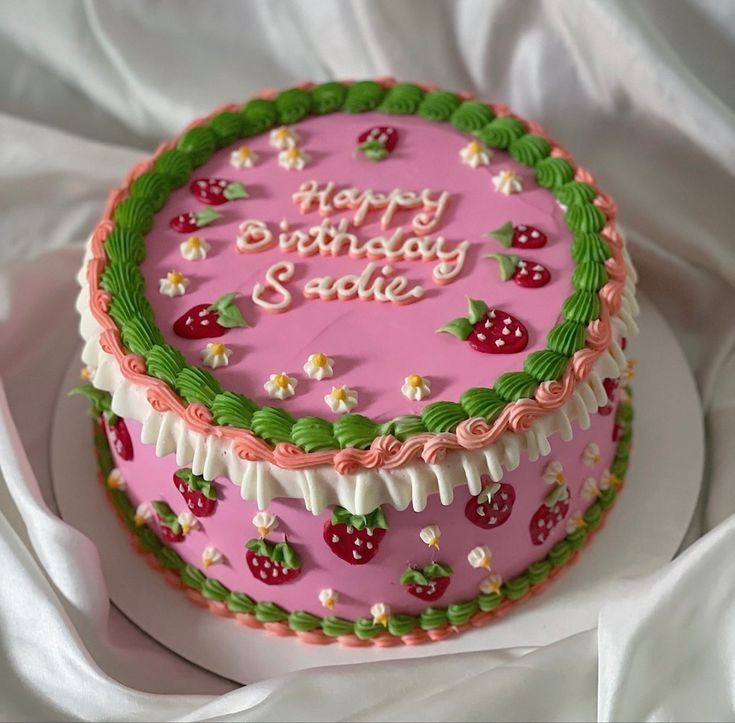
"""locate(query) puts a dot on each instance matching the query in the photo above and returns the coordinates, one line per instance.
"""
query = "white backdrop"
(642, 93)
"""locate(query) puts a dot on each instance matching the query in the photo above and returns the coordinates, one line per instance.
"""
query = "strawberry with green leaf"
(199, 494)
(272, 563)
(377, 143)
(112, 425)
(168, 522)
(526, 273)
(521, 236)
(493, 506)
(551, 513)
(206, 321)
(216, 191)
(193, 221)
(488, 330)
(355, 538)
(428, 584)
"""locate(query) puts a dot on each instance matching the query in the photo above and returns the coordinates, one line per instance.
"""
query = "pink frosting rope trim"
(385, 452)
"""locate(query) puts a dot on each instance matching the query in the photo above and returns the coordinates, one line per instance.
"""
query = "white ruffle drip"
(365, 490)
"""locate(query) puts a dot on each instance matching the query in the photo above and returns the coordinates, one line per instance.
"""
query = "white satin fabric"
(641, 92)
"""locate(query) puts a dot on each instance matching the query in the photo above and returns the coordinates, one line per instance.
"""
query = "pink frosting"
(149, 478)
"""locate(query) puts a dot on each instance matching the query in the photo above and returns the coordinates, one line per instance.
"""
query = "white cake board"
(643, 532)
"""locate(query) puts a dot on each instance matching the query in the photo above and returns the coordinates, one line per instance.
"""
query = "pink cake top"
(374, 345)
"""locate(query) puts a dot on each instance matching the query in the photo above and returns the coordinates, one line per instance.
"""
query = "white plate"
(642, 533)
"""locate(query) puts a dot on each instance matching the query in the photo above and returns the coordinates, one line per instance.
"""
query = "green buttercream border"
(134, 216)
(399, 624)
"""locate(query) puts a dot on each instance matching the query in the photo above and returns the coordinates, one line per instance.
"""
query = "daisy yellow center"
(282, 133)
(415, 380)
(293, 154)
(281, 381)
(194, 242)
(217, 349)
(506, 175)
(244, 152)
(319, 360)
(474, 148)
(175, 277)
(339, 394)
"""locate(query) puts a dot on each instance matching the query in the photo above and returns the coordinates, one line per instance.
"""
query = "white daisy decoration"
(609, 481)
(475, 154)
(187, 521)
(575, 522)
(507, 182)
(591, 455)
(629, 371)
(480, 556)
(341, 399)
(491, 585)
(194, 248)
(216, 354)
(87, 373)
(264, 522)
(415, 387)
(319, 366)
(143, 513)
(328, 598)
(293, 159)
(280, 386)
(380, 613)
(430, 535)
(174, 284)
(243, 157)
(211, 556)
(115, 480)
(283, 137)
(590, 489)
(554, 473)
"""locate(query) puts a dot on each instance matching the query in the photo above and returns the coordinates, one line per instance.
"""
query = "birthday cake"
(356, 357)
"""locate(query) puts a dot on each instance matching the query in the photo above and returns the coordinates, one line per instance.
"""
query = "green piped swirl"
(590, 247)
(272, 424)
(227, 127)
(501, 132)
(141, 335)
(482, 402)
(545, 365)
(233, 410)
(258, 115)
(153, 187)
(585, 217)
(529, 149)
(313, 434)
(355, 430)
(119, 277)
(364, 628)
(575, 192)
(197, 385)
(402, 99)
(164, 362)
(513, 386)
(566, 338)
(175, 166)
(471, 116)
(582, 307)
(363, 96)
(293, 105)
(552, 173)
(438, 105)
(328, 97)
(442, 416)
(126, 305)
(589, 276)
(199, 144)
(407, 426)
(124, 246)
(134, 214)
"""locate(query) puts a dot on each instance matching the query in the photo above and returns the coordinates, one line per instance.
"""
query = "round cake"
(356, 358)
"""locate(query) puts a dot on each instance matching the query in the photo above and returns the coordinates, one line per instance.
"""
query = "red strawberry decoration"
(271, 563)
(526, 273)
(168, 522)
(490, 331)
(551, 513)
(205, 321)
(377, 143)
(216, 191)
(199, 494)
(192, 221)
(521, 236)
(112, 425)
(428, 584)
(493, 506)
(355, 538)
(611, 387)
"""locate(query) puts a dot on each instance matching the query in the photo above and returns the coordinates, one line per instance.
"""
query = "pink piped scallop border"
(386, 451)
